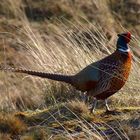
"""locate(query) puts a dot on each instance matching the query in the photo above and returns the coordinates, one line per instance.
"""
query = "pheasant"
(100, 79)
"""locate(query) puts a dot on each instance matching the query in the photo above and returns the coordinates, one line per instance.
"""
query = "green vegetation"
(63, 37)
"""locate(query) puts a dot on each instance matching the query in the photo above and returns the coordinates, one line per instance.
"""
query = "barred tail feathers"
(56, 77)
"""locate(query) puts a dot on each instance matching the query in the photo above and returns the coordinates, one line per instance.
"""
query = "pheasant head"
(122, 42)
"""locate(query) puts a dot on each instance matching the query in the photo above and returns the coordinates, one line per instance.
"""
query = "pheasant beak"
(118, 35)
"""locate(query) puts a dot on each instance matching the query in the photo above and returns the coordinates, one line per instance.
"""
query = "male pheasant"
(100, 79)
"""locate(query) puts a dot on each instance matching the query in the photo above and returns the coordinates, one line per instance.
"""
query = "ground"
(64, 37)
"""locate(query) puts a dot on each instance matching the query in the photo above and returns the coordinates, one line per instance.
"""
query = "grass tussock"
(78, 107)
(63, 37)
(12, 125)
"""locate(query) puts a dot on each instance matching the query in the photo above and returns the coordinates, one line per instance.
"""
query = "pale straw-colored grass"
(64, 49)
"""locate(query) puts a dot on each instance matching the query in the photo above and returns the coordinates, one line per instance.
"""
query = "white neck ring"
(122, 50)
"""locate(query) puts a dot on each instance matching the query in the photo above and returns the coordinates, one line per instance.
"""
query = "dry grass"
(65, 45)
(78, 107)
(12, 125)
(69, 120)
(5, 136)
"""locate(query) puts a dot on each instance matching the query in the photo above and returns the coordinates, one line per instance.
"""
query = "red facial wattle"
(128, 37)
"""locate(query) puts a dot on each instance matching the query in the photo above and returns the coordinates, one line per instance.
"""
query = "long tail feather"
(56, 77)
